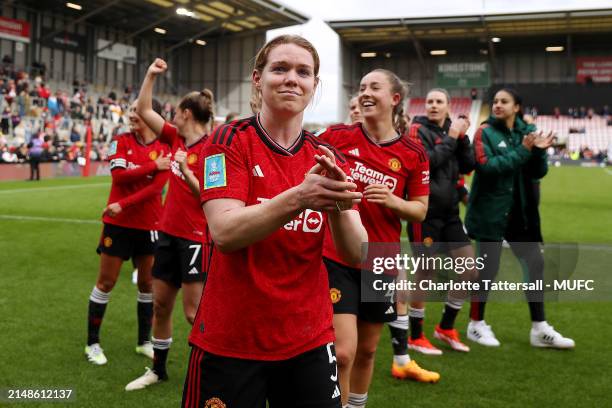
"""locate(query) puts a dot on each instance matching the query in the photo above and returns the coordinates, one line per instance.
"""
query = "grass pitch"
(48, 235)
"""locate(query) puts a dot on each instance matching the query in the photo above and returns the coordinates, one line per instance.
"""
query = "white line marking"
(35, 190)
(46, 219)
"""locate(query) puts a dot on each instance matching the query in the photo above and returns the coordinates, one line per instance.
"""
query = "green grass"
(48, 268)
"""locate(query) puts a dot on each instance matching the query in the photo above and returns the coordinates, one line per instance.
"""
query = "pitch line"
(47, 219)
(35, 190)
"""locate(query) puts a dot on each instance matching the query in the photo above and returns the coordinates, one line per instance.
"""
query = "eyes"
(304, 72)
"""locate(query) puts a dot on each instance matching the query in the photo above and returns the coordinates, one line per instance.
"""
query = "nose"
(291, 76)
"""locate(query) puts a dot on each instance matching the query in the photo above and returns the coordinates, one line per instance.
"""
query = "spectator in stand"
(582, 112)
(474, 94)
(75, 136)
(557, 112)
(606, 111)
(590, 113)
(6, 120)
(43, 91)
(35, 153)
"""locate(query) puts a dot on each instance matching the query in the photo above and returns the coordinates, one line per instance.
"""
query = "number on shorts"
(196, 250)
(154, 236)
(332, 360)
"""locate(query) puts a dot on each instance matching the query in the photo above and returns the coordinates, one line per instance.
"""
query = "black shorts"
(125, 242)
(308, 380)
(179, 260)
(437, 235)
(352, 292)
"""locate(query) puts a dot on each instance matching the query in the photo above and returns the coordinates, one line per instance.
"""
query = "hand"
(112, 210)
(163, 162)
(379, 194)
(459, 127)
(544, 142)
(318, 192)
(181, 158)
(158, 66)
(326, 165)
(529, 140)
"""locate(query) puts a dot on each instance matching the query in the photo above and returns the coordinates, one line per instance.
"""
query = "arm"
(414, 209)
(348, 234)
(155, 188)
(487, 163)
(438, 154)
(465, 155)
(144, 107)
(234, 226)
(194, 185)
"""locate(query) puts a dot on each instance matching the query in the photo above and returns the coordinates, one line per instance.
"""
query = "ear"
(256, 79)
(396, 98)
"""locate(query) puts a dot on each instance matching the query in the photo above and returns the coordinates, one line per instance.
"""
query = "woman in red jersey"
(268, 189)
(139, 165)
(183, 243)
(393, 174)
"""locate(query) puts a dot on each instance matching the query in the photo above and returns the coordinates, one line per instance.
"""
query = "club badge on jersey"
(112, 150)
(214, 171)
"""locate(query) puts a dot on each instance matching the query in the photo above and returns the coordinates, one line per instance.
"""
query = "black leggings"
(34, 167)
(529, 256)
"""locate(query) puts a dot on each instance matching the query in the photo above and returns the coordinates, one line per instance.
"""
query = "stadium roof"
(388, 31)
(198, 19)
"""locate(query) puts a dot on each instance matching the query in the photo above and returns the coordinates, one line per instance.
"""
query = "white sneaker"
(481, 333)
(148, 378)
(146, 349)
(95, 354)
(546, 336)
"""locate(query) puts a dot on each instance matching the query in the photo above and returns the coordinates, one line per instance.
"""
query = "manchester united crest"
(108, 242)
(192, 158)
(428, 241)
(395, 164)
(335, 295)
(214, 403)
(153, 155)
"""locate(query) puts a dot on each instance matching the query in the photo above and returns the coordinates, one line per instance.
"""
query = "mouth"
(293, 93)
(367, 104)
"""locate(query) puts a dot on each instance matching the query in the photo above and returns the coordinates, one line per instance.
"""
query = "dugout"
(110, 43)
(480, 51)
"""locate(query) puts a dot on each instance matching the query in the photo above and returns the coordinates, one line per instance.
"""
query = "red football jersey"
(183, 216)
(270, 300)
(137, 185)
(401, 164)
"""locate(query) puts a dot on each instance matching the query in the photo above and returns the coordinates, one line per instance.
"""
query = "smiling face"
(376, 98)
(436, 106)
(287, 81)
(354, 110)
(504, 106)
(135, 122)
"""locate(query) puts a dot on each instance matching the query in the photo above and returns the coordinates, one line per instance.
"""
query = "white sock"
(401, 360)
(539, 325)
(401, 322)
(357, 400)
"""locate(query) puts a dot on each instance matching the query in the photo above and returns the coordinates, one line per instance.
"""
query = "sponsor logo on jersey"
(428, 241)
(112, 150)
(390, 310)
(336, 393)
(192, 158)
(425, 178)
(354, 152)
(175, 168)
(108, 242)
(395, 164)
(367, 175)
(307, 221)
(335, 295)
(214, 171)
(257, 171)
(153, 155)
(129, 151)
(214, 403)
(502, 144)
(193, 271)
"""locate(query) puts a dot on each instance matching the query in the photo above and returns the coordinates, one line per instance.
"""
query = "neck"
(440, 122)
(193, 132)
(510, 122)
(380, 130)
(283, 129)
(146, 135)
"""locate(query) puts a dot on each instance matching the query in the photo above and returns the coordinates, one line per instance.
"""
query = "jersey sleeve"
(225, 169)
(417, 183)
(169, 134)
(117, 154)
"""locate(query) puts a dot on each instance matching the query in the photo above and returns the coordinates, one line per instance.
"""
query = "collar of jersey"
(373, 141)
(271, 143)
(135, 136)
(200, 140)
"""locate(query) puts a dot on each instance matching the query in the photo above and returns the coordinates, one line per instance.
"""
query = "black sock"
(536, 310)
(415, 316)
(145, 316)
(399, 335)
(95, 314)
(161, 347)
(477, 310)
(448, 317)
